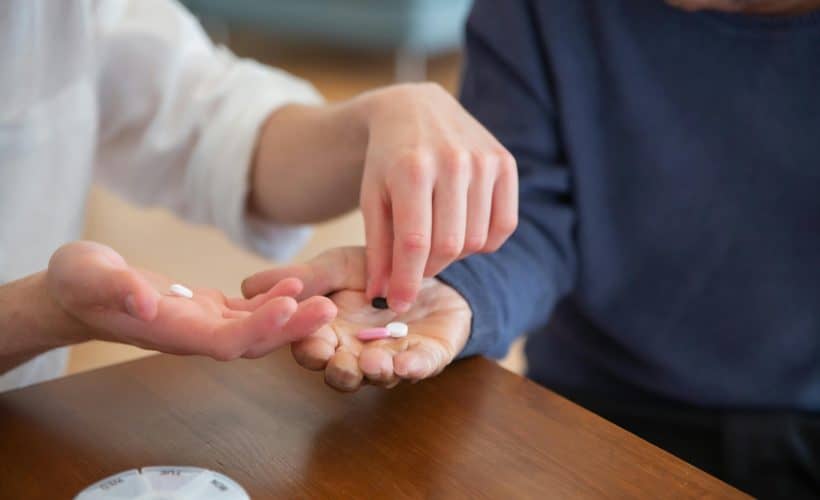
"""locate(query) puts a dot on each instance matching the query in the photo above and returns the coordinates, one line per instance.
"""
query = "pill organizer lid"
(165, 483)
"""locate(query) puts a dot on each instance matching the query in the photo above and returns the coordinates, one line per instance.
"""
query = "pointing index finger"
(412, 226)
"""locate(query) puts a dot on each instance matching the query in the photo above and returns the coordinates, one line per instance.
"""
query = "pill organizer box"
(165, 483)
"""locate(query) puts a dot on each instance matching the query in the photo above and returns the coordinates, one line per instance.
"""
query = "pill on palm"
(373, 334)
(397, 329)
(380, 303)
(181, 291)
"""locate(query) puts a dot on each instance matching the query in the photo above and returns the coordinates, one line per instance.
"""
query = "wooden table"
(476, 431)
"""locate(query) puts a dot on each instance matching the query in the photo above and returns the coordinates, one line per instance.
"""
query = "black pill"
(380, 303)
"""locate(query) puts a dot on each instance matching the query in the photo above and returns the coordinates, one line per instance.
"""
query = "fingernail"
(131, 306)
(400, 306)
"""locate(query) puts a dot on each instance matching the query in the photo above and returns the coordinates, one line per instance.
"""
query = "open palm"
(439, 323)
(120, 303)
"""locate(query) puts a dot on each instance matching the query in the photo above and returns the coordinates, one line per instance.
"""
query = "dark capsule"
(380, 303)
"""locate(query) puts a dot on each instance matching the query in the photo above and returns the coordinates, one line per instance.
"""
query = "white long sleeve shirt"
(131, 94)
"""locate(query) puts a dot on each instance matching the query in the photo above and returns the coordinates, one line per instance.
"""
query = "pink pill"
(373, 334)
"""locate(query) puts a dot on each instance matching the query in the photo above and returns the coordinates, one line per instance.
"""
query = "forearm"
(31, 322)
(309, 161)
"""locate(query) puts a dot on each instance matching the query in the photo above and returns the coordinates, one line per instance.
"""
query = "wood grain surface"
(476, 431)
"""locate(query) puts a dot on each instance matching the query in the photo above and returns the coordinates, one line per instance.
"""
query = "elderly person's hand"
(439, 324)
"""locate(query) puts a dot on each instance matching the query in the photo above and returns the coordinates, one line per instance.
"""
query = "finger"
(232, 314)
(234, 338)
(376, 361)
(333, 270)
(311, 315)
(262, 282)
(343, 373)
(421, 360)
(504, 217)
(449, 216)
(378, 235)
(288, 287)
(138, 298)
(479, 205)
(316, 350)
(127, 291)
(412, 220)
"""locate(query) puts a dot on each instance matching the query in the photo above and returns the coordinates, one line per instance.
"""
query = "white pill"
(181, 291)
(397, 330)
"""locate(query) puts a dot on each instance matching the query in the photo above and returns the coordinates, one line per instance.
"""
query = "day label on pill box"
(165, 483)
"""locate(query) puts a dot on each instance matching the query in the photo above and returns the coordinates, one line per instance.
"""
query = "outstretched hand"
(439, 324)
(119, 303)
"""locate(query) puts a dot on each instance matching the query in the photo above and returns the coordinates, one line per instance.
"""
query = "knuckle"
(483, 157)
(448, 248)
(414, 167)
(506, 225)
(482, 165)
(474, 243)
(507, 161)
(416, 174)
(404, 290)
(342, 380)
(454, 160)
(412, 158)
(414, 243)
(256, 354)
(493, 244)
(225, 353)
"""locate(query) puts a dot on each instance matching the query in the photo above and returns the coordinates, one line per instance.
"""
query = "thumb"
(331, 271)
(122, 289)
(133, 294)
(88, 276)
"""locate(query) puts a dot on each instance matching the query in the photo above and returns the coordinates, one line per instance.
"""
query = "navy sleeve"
(506, 87)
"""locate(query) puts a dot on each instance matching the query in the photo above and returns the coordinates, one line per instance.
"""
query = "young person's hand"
(115, 302)
(433, 184)
(439, 324)
(437, 187)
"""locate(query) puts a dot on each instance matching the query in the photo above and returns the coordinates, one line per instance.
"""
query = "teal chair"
(412, 29)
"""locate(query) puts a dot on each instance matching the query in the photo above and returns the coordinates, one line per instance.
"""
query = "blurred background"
(343, 47)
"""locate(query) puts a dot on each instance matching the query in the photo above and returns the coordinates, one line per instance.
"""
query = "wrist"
(458, 305)
(55, 326)
(393, 102)
(320, 149)
(31, 322)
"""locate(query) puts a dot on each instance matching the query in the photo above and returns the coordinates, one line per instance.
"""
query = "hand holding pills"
(437, 187)
(113, 301)
(367, 344)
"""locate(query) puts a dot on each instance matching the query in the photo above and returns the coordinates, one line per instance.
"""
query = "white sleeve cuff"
(220, 166)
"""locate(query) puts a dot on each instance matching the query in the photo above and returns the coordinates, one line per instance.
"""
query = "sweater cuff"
(465, 277)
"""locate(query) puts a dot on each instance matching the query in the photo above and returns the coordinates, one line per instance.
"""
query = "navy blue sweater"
(669, 238)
